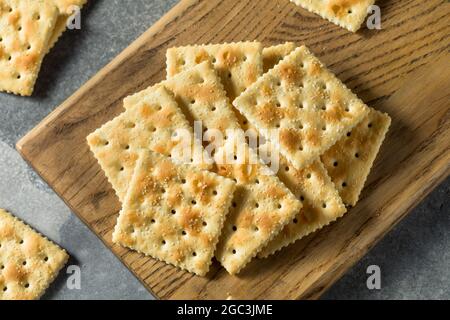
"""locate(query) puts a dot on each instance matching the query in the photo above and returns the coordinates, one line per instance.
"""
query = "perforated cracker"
(174, 213)
(25, 29)
(28, 261)
(262, 204)
(349, 161)
(349, 14)
(309, 107)
(153, 124)
(321, 203)
(65, 8)
(237, 64)
(273, 55)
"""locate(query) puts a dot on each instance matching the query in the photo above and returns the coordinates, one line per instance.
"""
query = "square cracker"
(152, 124)
(238, 64)
(309, 107)
(273, 55)
(174, 213)
(349, 161)
(28, 261)
(349, 14)
(65, 11)
(321, 203)
(262, 204)
(25, 29)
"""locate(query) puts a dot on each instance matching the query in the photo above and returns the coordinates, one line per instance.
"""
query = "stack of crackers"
(187, 210)
(28, 30)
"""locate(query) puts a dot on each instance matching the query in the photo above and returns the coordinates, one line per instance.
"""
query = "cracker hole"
(46, 259)
(324, 205)
(278, 104)
(349, 134)
(27, 285)
(234, 228)
(2, 267)
(308, 176)
(193, 101)
(194, 254)
(173, 211)
(233, 251)
(183, 181)
(229, 75)
(183, 233)
(163, 242)
(194, 202)
(344, 184)
(214, 192)
(21, 241)
(279, 206)
(302, 198)
(257, 181)
(370, 125)
(335, 164)
(324, 128)
(5, 289)
(256, 229)
(257, 205)
(357, 155)
(204, 223)
(122, 168)
(127, 147)
(153, 221)
(286, 169)
(295, 220)
(234, 204)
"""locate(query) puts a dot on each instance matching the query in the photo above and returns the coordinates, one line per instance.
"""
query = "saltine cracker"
(25, 29)
(349, 14)
(174, 213)
(349, 161)
(28, 261)
(309, 107)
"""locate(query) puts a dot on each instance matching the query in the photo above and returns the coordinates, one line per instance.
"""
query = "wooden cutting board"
(402, 69)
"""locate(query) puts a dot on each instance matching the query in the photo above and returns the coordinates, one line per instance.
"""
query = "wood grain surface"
(402, 69)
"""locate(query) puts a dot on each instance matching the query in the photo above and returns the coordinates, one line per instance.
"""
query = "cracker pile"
(28, 261)
(186, 210)
(28, 30)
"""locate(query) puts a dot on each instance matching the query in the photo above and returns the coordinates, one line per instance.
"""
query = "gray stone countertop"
(414, 258)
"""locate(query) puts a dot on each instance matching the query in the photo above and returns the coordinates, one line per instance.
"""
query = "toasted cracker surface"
(349, 14)
(262, 204)
(28, 261)
(349, 161)
(152, 123)
(174, 213)
(309, 107)
(25, 29)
